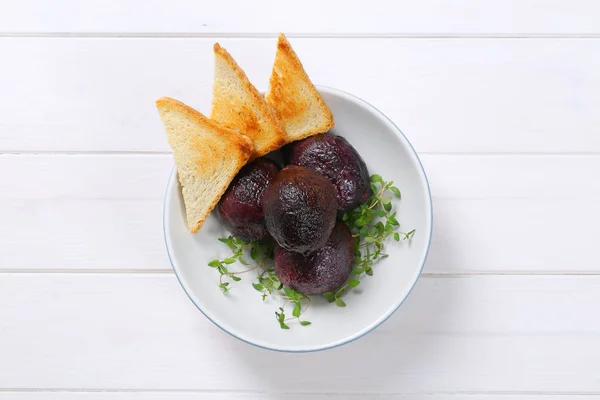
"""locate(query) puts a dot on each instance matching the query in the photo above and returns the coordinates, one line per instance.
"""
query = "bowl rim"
(384, 317)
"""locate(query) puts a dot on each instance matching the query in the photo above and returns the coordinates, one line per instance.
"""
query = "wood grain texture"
(448, 96)
(492, 214)
(473, 334)
(378, 17)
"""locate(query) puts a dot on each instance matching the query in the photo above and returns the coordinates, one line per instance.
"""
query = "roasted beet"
(335, 158)
(241, 207)
(300, 209)
(323, 270)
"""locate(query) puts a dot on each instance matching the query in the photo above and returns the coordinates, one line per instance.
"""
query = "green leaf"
(376, 178)
(385, 200)
(304, 323)
(229, 242)
(393, 221)
(229, 260)
(410, 234)
(235, 278)
(242, 260)
(369, 239)
(353, 282)
(214, 263)
(358, 271)
(289, 292)
(388, 228)
(396, 191)
(364, 230)
(387, 207)
(224, 287)
(297, 310)
(360, 222)
(254, 253)
(282, 325)
(369, 271)
(258, 287)
(396, 236)
(373, 188)
(339, 302)
(281, 315)
(345, 217)
(222, 269)
(380, 213)
(329, 296)
(379, 226)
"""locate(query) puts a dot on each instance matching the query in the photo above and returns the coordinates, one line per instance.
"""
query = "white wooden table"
(500, 97)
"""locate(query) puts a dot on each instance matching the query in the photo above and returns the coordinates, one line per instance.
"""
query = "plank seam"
(226, 391)
(307, 35)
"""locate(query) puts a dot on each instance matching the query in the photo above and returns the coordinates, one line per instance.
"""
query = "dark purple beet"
(335, 158)
(321, 271)
(300, 209)
(241, 207)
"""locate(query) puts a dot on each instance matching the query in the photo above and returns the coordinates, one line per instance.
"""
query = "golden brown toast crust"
(239, 146)
(283, 97)
(242, 142)
(243, 119)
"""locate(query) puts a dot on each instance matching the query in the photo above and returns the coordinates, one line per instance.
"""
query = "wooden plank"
(131, 177)
(500, 334)
(500, 213)
(449, 96)
(378, 17)
(260, 396)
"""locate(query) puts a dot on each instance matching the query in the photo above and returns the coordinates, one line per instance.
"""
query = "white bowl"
(243, 314)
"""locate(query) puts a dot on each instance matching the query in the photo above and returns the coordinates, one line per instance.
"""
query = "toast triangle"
(295, 100)
(238, 105)
(207, 155)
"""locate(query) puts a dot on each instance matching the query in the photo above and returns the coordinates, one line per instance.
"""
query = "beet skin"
(323, 270)
(241, 207)
(300, 209)
(335, 158)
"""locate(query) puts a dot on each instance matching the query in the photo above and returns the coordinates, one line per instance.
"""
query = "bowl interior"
(242, 313)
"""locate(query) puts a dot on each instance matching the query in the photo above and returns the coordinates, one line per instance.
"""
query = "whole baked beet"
(300, 209)
(335, 158)
(321, 271)
(241, 207)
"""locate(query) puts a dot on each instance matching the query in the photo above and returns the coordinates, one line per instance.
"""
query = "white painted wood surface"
(188, 395)
(448, 95)
(312, 17)
(500, 98)
(454, 334)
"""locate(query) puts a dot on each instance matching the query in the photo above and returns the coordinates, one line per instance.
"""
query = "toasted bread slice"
(294, 98)
(207, 155)
(239, 106)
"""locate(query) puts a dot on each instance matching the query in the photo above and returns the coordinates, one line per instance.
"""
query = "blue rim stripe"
(352, 339)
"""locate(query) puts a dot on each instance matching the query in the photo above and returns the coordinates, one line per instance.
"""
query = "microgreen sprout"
(371, 225)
